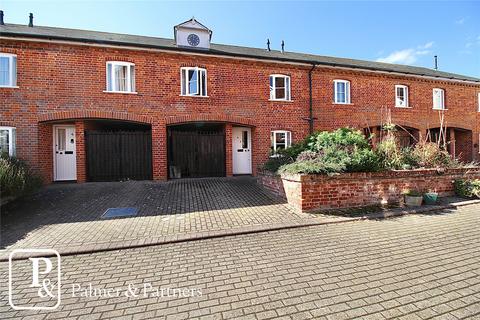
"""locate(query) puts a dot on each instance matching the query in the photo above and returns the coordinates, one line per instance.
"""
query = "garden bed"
(310, 192)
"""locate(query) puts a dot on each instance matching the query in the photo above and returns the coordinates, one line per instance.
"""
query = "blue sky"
(399, 32)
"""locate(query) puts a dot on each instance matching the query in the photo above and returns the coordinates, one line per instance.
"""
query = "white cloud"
(407, 56)
(427, 45)
(460, 21)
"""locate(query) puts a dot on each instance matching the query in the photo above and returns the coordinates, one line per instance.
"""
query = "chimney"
(436, 62)
(268, 44)
(283, 46)
(1, 18)
(30, 22)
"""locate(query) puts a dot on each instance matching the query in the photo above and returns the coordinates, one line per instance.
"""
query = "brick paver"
(69, 215)
(411, 267)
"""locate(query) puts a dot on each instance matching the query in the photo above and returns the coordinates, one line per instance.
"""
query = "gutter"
(213, 52)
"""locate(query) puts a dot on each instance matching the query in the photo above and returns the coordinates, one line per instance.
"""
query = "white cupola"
(192, 34)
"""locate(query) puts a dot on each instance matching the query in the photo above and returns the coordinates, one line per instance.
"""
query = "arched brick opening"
(93, 114)
(83, 121)
(228, 122)
(407, 136)
(459, 141)
(210, 118)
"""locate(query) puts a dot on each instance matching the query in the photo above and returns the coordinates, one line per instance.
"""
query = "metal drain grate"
(120, 212)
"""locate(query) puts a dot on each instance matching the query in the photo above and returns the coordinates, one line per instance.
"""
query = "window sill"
(400, 107)
(124, 92)
(194, 96)
(11, 87)
(343, 104)
(437, 109)
(279, 100)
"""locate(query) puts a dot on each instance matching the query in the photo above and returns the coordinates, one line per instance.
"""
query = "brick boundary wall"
(312, 192)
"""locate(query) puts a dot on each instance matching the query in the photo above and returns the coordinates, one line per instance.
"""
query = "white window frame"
(113, 78)
(405, 93)
(442, 107)
(12, 83)
(11, 140)
(287, 90)
(347, 91)
(186, 89)
(478, 101)
(273, 138)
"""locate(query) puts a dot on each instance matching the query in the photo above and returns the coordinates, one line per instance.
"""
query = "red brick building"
(88, 106)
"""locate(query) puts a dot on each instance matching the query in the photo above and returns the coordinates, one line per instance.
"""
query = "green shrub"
(467, 188)
(285, 156)
(365, 160)
(344, 150)
(343, 137)
(389, 154)
(430, 155)
(318, 165)
(16, 177)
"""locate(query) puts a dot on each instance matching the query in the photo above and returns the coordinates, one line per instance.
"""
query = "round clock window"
(193, 40)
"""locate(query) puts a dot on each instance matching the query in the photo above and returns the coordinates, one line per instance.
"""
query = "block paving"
(424, 266)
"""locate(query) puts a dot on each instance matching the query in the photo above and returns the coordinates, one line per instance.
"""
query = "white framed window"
(193, 81)
(478, 101)
(438, 99)
(279, 87)
(8, 70)
(280, 139)
(8, 140)
(401, 96)
(120, 76)
(341, 90)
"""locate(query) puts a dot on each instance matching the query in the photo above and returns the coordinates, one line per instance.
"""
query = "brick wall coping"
(377, 175)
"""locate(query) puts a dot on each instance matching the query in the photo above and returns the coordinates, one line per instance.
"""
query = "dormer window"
(279, 87)
(8, 70)
(120, 77)
(192, 34)
(193, 81)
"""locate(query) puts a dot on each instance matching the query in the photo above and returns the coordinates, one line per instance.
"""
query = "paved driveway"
(412, 267)
(68, 216)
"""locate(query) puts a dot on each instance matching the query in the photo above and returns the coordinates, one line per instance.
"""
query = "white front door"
(64, 153)
(242, 150)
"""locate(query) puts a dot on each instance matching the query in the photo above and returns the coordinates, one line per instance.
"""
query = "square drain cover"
(120, 212)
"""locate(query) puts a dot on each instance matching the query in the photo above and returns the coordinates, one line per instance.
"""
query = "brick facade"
(312, 192)
(65, 83)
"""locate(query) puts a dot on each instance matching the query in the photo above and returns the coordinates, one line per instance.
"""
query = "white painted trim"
(287, 89)
(111, 75)
(54, 135)
(288, 138)
(11, 57)
(478, 101)
(347, 91)
(199, 71)
(442, 107)
(12, 139)
(266, 60)
(405, 92)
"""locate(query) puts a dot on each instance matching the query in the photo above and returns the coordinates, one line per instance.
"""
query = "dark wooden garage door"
(196, 154)
(118, 155)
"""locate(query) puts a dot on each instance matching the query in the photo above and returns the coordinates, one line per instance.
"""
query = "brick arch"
(93, 114)
(405, 124)
(455, 124)
(211, 118)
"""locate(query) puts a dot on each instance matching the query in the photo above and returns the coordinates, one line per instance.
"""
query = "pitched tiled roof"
(15, 30)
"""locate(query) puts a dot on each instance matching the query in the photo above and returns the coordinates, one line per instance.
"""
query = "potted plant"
(413, 198)
(430, 197)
